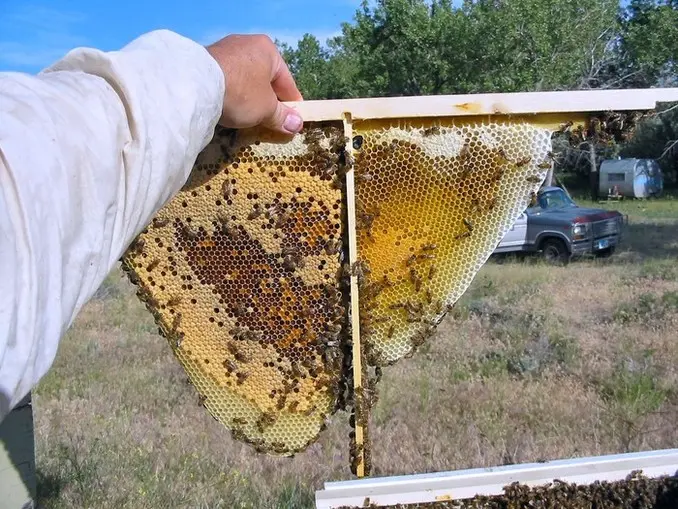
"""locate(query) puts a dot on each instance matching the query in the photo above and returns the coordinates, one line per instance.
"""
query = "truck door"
(516, 237)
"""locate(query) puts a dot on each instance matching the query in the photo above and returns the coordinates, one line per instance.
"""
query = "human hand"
(257, 80)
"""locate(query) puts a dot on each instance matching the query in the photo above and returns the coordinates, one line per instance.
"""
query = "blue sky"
(34, 34)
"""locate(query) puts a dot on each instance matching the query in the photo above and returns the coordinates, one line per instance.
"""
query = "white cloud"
(46, 35)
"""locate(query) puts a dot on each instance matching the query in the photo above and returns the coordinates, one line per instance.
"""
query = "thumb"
(284, 119)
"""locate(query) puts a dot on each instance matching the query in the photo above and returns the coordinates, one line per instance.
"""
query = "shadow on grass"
(49, 488)
(644, 240)
(654, 240)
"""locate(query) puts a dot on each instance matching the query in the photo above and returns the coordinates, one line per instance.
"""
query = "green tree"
(309, 64)
(650, 42)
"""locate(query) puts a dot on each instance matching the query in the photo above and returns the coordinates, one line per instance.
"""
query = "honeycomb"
(432, 202)
(247, 271)
(242, 273)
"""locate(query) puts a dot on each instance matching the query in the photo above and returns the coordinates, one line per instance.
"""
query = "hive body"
(241, 270)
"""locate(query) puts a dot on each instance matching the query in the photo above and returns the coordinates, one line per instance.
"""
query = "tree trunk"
(593, 174)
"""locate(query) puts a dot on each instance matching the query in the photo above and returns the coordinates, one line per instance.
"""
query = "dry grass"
(534, 363)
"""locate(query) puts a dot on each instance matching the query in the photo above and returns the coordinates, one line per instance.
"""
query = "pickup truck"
(555, 226)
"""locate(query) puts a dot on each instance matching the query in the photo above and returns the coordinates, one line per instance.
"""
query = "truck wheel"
(555, 252)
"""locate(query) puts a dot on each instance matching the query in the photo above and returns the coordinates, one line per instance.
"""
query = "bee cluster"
(606, 128)
(635, 492)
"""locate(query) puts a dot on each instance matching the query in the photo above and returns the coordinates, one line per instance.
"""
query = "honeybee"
(266, 420)
(296, 370)
(152, 265)
(279, 448)
(415, 279)
(364, 177)
(226, 189)
(432, 272)
(309, 411)
(282, 399)
(255, 212)
(238, 333)
(230, 365)
(359, 269)
(333, 247)
(337, 183)
(176, 322)
(290, 250)
(191, 234)
(429, 247)
(282, 219)
(533, 179)
(138, 245)
(391, 331)
(238, 354)
(229, 230)
(545, 165)
(565, 127)
(491, 203)
(468, 223)
(174, 301)
(239, 309)
(502, 154)
(498, 174)
(292, 262)
(463, 235)
(429, 297)
(202, 399)
(292, 407)
(239, 421)
(160, 222)
(252, 335)
(238, 434)
(419, 339)
(524, 161)
(147, 298)
(410, 260)
(241, 377)
(465, 151)
(430, 131)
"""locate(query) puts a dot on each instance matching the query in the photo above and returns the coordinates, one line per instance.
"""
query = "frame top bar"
(522, 103)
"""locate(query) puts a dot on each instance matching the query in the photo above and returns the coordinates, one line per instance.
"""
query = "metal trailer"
(633, 178)
(466, 484)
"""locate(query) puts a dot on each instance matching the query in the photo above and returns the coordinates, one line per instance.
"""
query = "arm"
(90, 150)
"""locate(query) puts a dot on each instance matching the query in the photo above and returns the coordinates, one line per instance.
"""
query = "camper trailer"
(633, 178)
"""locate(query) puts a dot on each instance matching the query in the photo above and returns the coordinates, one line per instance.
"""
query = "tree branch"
(668, 149)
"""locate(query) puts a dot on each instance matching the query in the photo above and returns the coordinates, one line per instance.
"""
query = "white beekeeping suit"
(90, 149)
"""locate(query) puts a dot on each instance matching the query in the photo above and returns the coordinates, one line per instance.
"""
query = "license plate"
(603, 244)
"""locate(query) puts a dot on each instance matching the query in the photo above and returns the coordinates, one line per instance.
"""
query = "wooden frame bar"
(525, 103)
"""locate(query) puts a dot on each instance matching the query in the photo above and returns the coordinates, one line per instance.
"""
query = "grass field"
(534, 363)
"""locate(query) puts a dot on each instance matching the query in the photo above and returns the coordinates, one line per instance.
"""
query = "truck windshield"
(554, 200)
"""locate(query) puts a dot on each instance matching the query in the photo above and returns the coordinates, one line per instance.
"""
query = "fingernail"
(293, 123)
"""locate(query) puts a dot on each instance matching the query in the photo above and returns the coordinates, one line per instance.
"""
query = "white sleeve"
(90, 149)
